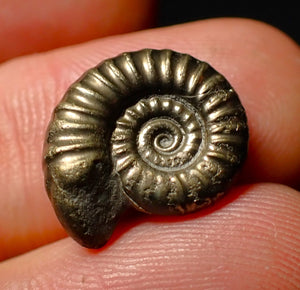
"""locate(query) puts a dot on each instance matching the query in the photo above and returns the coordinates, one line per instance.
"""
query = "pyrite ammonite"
(157, 130)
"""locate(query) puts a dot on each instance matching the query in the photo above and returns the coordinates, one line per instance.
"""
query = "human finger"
(252, 240)
(32, 86)
(33, 26)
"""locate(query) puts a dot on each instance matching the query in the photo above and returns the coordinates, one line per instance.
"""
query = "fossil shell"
(155, 129)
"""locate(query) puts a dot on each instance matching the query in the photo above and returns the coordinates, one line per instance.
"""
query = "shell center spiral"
(164, 132)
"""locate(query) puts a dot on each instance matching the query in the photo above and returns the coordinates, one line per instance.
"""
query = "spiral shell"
(155, 129)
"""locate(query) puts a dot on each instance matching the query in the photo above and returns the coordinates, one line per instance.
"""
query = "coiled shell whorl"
(155, 129)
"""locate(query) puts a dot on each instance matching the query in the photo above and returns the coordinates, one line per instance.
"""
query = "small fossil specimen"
(153, 129)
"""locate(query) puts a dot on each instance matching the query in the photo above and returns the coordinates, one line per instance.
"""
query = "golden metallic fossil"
(154, 129)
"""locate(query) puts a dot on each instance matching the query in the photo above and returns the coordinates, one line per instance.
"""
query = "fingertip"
(246, 52)
(35, 26)
(252, 241)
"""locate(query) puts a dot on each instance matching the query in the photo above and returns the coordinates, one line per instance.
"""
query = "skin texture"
(248, 240)
(33, 25)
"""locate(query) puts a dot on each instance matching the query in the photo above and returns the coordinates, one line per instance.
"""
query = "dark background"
(284, 15)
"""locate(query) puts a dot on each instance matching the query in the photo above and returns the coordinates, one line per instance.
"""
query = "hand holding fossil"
(251, 237)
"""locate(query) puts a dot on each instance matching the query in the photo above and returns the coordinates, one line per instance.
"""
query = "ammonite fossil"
(153, 129)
